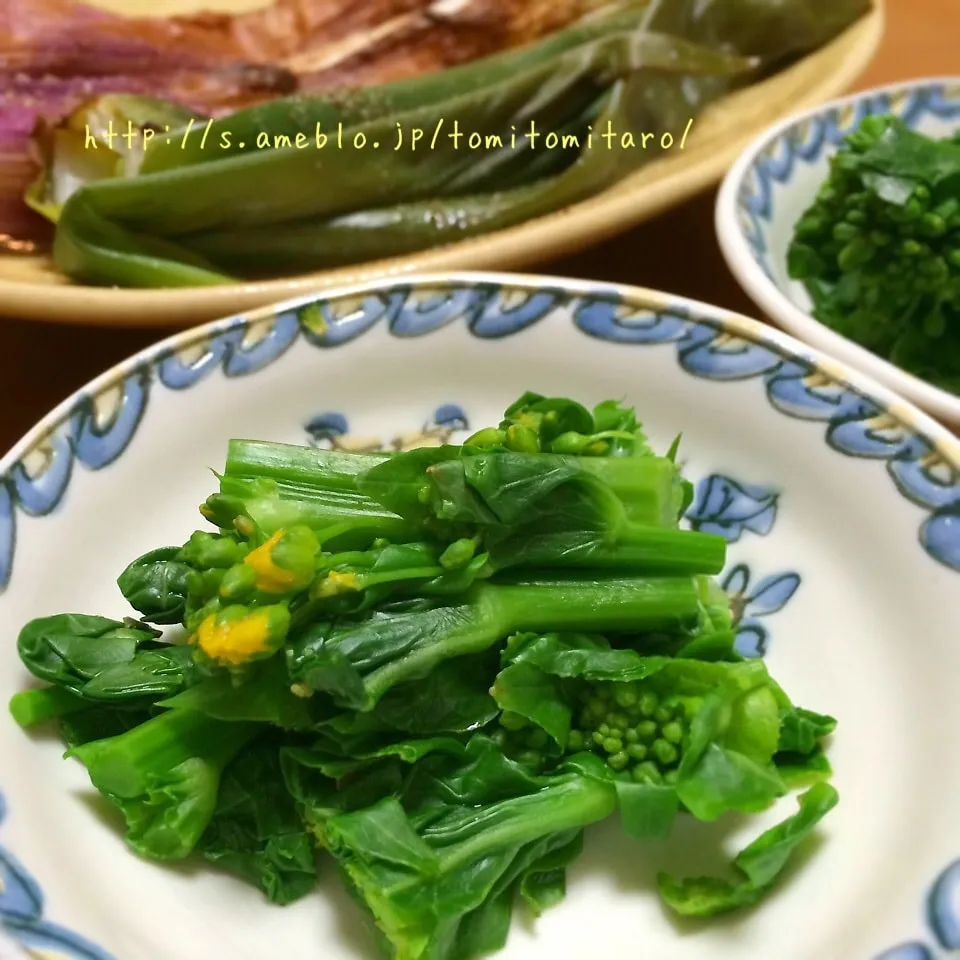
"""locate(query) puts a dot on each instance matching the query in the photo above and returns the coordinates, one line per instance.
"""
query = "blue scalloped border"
(21, 914)
(856, 426)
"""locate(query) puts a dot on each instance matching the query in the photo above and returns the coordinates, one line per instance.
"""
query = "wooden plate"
(31, 288)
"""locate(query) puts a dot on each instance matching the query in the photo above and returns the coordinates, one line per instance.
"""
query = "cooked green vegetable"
(440, 865)
(243, 196)
(356, 663)
(435, 669)
(256, 831)
(98, 659)
(164, 776)
(758, 864)
(879, 249)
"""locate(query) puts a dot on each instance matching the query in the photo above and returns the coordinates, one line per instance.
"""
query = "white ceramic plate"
(775, 181)
(841, 506)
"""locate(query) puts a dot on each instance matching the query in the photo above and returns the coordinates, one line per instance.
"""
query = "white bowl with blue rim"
(776, 180)
(840, 503)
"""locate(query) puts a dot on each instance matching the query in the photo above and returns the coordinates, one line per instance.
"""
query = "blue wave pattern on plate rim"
(21, 914)
(856, 426)
(806, 141)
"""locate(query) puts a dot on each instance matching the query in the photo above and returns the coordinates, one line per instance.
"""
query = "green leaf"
(99, 723)
(163, 775)
(904, 153)
(538, 697)
(99, 659)
(579, 655)
(802, 730)
(434, 867)
(802, 770)
(264, 696)
(156, 585)
(70, 648)
(150, 674)
(256, 832)
(337, 766)
(452, 698)
(647, 810)
(544, 884)
(758, 865)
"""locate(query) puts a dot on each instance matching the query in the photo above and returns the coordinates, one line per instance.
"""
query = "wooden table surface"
(41, 364)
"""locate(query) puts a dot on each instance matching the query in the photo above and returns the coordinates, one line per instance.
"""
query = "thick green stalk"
(299, 467)
(601, 605)
(646, 485)
(278, 485)
(363, 104)
(31, 707)
(229, 194)
(637, 549)
(211, 205)
(359, 663)
(127, 765)
(646, 101)
(567, 803)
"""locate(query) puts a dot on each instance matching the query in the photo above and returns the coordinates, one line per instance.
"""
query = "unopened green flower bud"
(666, 753)
(521, 439)
(238, 582)
(646, 772)
(570, 443)
(488, 437)
(458, 554)
(646, 731)
(512, 721)
(844, 232)
(530, 758)
(672, 732)
(649, 702)
(663, 714)
(618, 761)
(537, 738)
(933, 225)
(597, 705)
(204, 550)
(856, 253)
